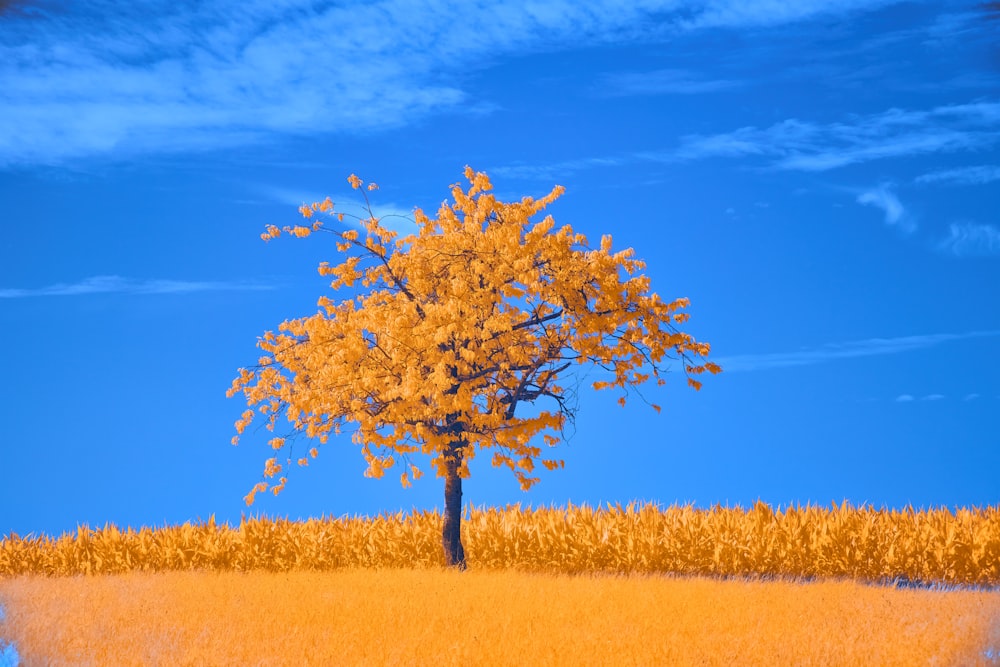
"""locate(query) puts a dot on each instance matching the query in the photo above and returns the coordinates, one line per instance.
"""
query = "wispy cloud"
(895, 215)
(102, 77)
(971, 239)
(746, 13)
(117, 284)
(393, 216)
(804, 146)
(557, 170)
(799, 145)
(850, 350)
(909, 398)
(662, 82)
(978, 175)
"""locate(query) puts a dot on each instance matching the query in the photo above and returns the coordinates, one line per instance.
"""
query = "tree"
(458, 327)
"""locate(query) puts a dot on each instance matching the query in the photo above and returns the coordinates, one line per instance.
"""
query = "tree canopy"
(450, 334)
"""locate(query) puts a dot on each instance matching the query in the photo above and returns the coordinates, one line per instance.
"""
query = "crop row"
(932, 546)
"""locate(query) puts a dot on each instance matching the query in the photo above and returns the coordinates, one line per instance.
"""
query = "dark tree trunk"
(451, 535)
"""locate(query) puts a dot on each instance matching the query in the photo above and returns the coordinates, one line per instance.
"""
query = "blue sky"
(821, 179)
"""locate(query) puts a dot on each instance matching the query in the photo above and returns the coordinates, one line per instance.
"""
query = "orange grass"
(500, 617)
(864, 544)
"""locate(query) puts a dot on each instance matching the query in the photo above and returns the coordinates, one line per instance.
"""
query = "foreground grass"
(482, 617)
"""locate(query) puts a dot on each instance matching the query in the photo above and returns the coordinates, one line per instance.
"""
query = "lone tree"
(457, 327)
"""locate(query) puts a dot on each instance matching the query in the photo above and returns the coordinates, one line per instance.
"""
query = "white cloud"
(882, 198)
(104, 77)
(971, 397)
(978, 175)
(747, 13)
(799, 145)
(662, 81)
(904, 398)
(117, 284)
(554, 171)
(971, 239)
(804, 146)
(849, 350)
(933, 397)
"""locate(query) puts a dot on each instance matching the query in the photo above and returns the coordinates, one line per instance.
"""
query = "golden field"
(559, 586)
(490, 618)
(860, 543)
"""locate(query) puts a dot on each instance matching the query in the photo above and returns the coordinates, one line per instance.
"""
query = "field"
(570, 586)
(424, 617)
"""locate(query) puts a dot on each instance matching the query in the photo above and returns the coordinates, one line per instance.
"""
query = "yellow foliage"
(481, 311)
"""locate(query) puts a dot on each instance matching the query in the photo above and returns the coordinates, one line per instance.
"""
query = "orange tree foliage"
(481, 311)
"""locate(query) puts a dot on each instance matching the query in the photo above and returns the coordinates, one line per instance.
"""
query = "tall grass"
(860, 543)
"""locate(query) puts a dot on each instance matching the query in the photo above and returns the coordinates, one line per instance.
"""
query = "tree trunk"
(451, 535)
